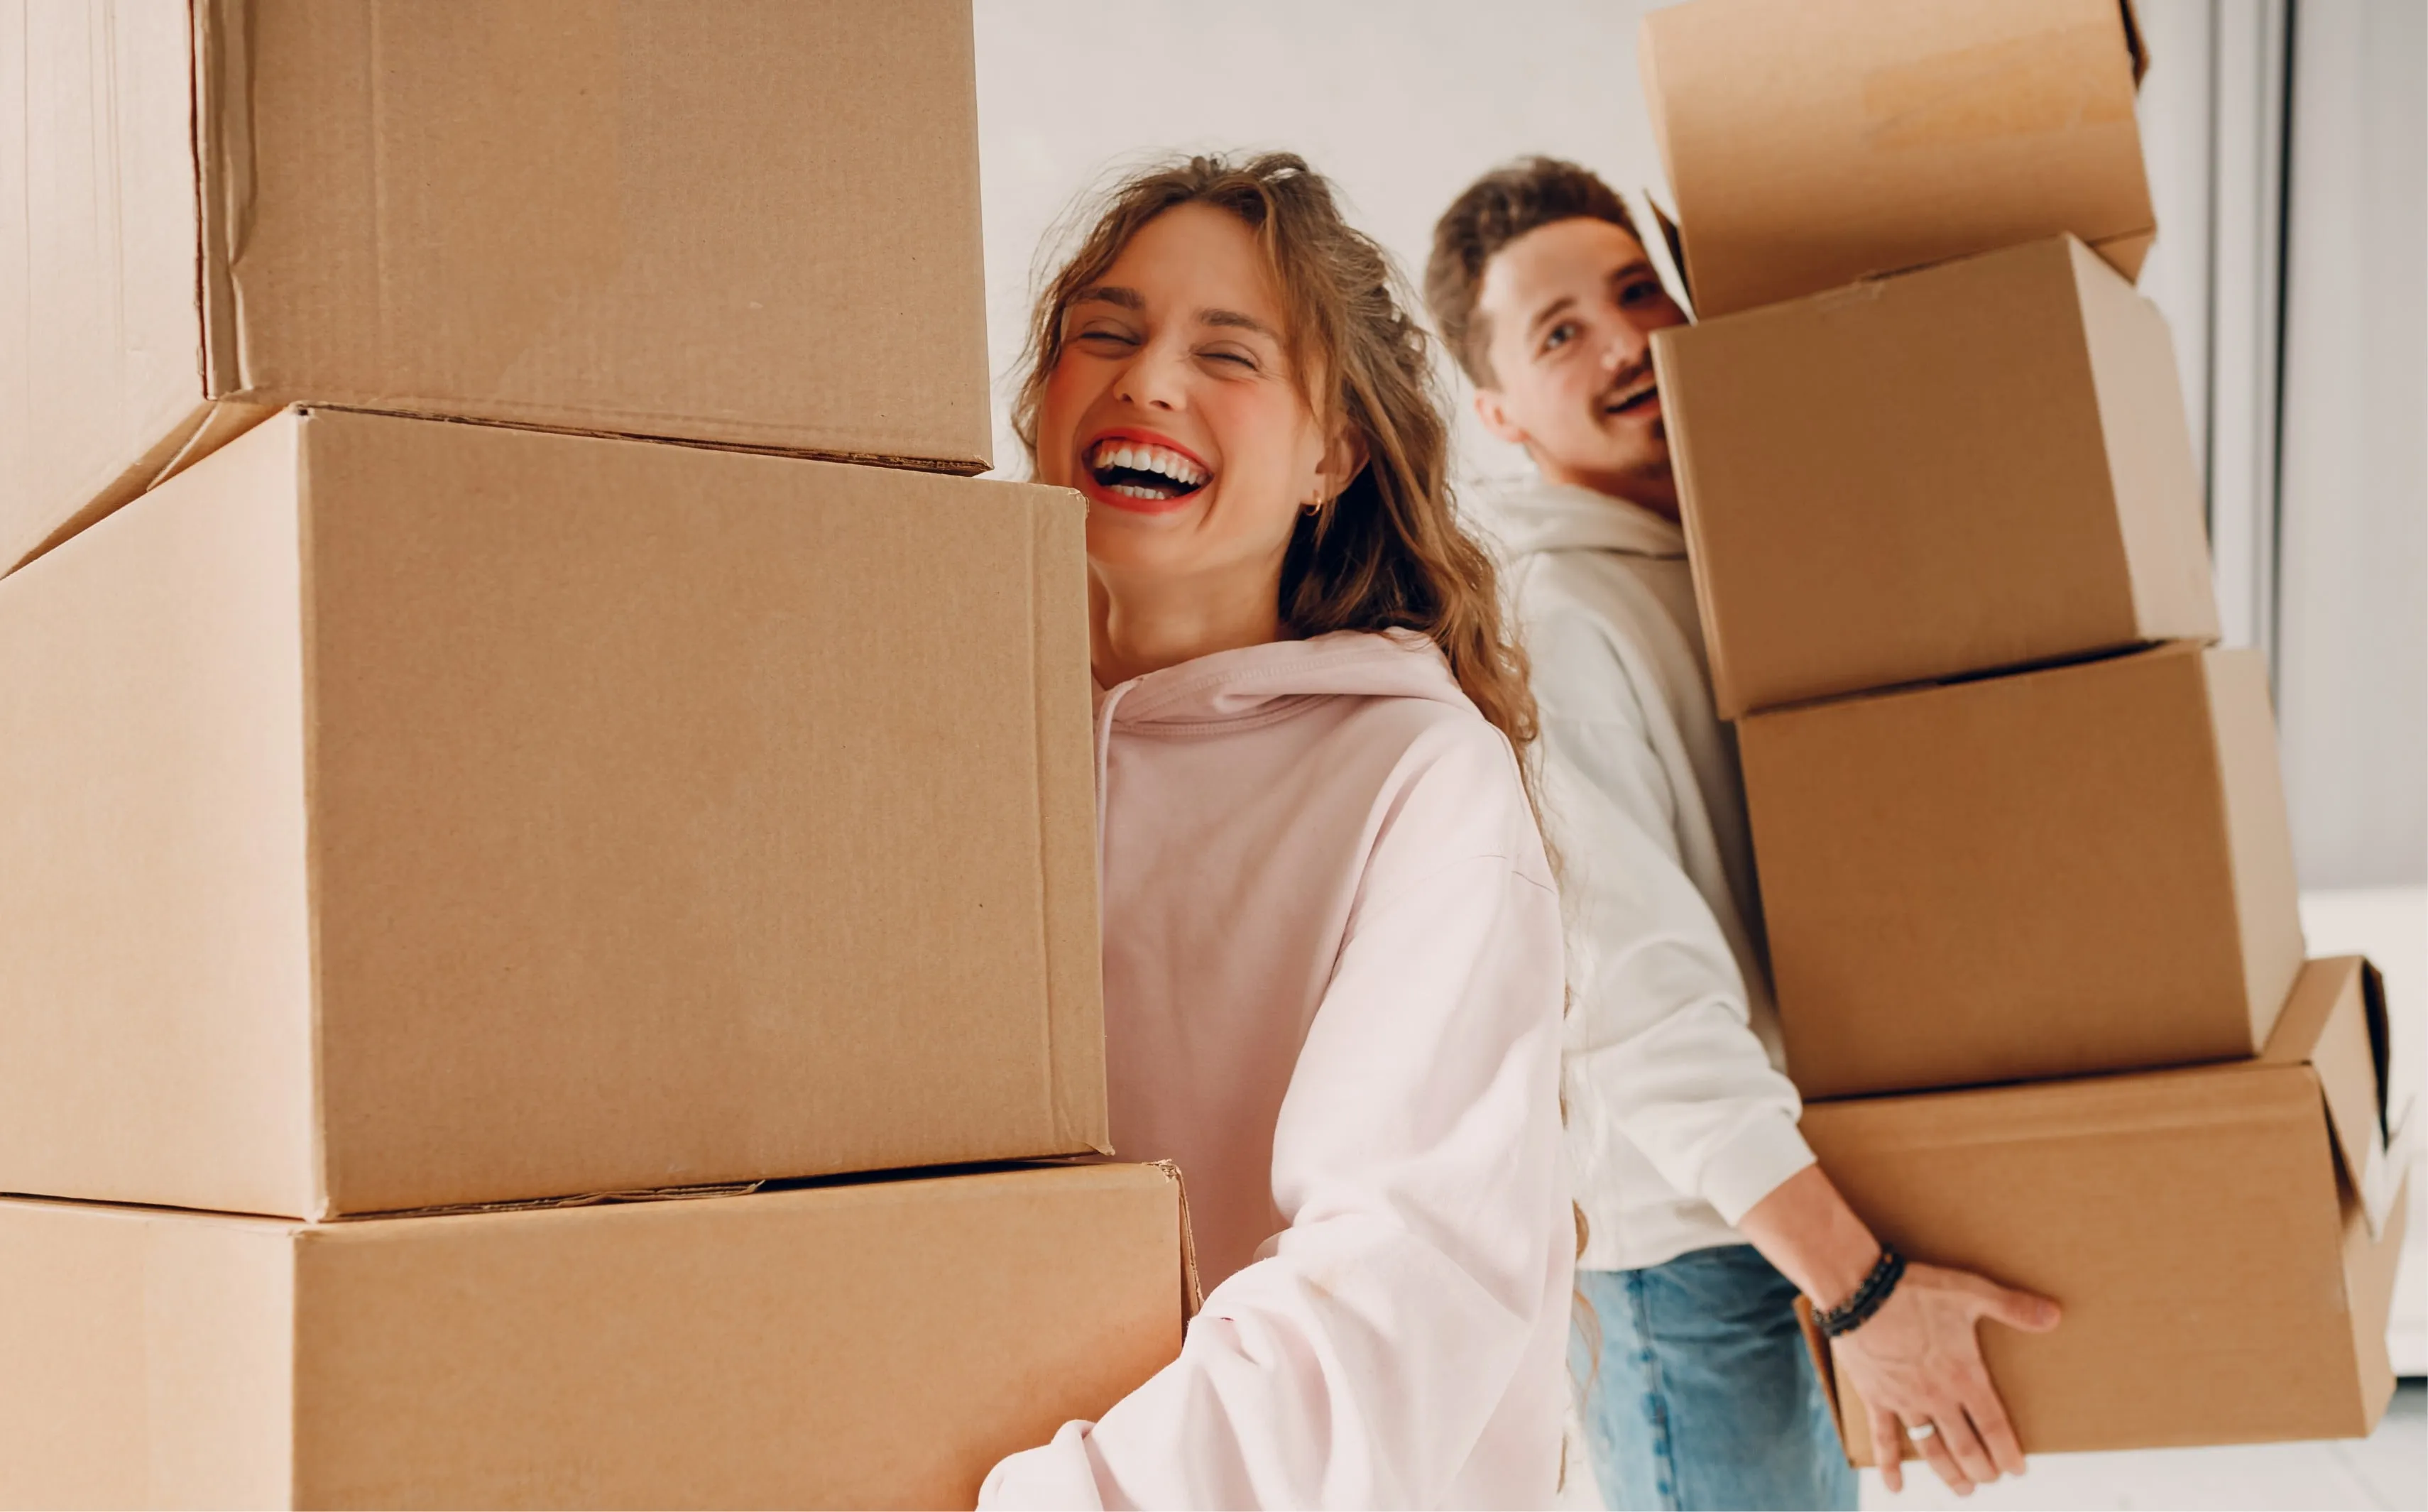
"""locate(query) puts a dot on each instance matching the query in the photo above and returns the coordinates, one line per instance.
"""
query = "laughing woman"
(1332, 947)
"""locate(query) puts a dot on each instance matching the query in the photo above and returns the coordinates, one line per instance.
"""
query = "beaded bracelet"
(1857, 1310)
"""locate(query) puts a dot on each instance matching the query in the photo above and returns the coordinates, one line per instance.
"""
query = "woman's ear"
(1344, 457)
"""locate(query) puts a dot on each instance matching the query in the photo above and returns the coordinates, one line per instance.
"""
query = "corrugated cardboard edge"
(324, 1204)
(2155, 514)
(269, 402)
(964, 62)
(1816, 1349)
(1062, 722)
(1819, 705)
(2258, 831)
(2315, 995)
(208, 427)
(1725, 699)
(223, 179)
(2132, 245)
(584, 1199)
(1192, 1295)
(2128, 250)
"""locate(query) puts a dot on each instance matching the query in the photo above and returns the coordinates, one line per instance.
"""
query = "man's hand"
(1917, 1362)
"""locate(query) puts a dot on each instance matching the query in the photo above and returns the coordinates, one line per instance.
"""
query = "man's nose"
(1624, 346)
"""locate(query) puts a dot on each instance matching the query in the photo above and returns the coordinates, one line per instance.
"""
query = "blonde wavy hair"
(1388, 552)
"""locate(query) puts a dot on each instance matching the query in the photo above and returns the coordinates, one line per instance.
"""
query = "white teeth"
(1149, 459)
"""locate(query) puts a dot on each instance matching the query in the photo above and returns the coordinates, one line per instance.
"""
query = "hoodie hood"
(1535, 516)
(1259, 683)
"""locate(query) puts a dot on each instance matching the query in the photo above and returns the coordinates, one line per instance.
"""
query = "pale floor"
(2388, 1469)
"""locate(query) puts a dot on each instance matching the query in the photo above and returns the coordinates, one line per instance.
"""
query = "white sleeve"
(1660, 1050)
(1416, 1159)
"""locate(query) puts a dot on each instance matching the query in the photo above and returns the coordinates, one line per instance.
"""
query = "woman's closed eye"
(1234, 358)
(1105, 335)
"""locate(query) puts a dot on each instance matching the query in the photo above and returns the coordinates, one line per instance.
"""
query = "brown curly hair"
(1388, 552)
(1492, 212)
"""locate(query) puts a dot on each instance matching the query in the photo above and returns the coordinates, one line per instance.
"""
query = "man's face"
(1569, 309)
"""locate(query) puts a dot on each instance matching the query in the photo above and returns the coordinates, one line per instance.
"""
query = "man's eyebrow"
(1238, 320)
(1128, 299)
(1639, 267)
(1556, 306)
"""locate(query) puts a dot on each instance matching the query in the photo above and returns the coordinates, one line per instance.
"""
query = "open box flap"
(1675, 244)
(2335, 1022)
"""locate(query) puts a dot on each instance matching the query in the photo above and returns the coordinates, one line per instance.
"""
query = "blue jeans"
(1702, 1394)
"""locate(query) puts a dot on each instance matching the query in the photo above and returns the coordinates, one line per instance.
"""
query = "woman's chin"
(1162, 539)
(1118, 538)
(1146, 549)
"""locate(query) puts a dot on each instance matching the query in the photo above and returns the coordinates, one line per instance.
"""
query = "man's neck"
(1657, 494)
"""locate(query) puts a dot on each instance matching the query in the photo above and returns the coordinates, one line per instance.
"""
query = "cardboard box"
(1977, 466)
(754, 223)
(2222, 1238)
(408, 812)
(877, 1344)
(2082, 869)
(1810, 145)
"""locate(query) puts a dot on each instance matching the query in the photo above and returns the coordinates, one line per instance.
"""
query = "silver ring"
(1921, 1430)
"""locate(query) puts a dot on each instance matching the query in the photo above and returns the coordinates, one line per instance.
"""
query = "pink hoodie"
(1333, 989)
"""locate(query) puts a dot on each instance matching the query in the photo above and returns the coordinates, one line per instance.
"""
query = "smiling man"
(1697, 1189)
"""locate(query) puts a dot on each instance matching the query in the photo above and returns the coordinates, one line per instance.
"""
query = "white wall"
(2351, 631)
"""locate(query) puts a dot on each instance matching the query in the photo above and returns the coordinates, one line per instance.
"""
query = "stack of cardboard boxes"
(2017, 816)
(462, 758)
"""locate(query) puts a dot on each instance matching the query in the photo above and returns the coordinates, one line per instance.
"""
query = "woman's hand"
(1917, 1365)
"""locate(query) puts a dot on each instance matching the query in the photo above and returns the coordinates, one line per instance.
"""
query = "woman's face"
(1174, 409)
